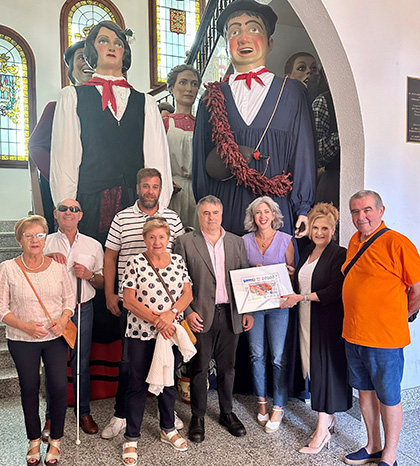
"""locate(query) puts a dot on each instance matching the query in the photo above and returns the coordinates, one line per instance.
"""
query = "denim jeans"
(270, 328)
(379, 369)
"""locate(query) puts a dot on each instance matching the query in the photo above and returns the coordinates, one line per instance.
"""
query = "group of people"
(246, 166)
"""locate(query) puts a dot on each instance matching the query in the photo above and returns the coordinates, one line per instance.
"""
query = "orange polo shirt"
(375, 290)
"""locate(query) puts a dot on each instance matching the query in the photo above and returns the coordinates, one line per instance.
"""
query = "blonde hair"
(156, 222)
(31, 220)
(322, 210)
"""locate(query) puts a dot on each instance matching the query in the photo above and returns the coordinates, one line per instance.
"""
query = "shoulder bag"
(413, 317)
(70, 331)
(184, 323)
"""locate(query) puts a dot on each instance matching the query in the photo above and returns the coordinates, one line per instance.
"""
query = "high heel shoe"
(51, 459)
(33, 444)
(307, 450)
(331, 427)
(262, 418)
(273, 426)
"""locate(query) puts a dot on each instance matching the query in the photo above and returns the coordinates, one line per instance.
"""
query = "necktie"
(252, 75)
(108, 93)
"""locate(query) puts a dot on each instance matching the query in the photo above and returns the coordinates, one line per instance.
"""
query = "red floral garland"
(227, 148)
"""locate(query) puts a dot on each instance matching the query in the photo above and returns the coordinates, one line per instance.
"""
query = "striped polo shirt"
(126, 233)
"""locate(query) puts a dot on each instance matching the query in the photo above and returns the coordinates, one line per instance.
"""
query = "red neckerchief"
(252, 75)
(108, 93)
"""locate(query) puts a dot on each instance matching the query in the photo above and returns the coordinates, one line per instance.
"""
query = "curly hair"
(90, 53)
(249, 222)
(173, 74)
(322, 210)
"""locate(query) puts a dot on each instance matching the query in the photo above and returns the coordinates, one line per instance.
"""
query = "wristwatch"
(175, 310)
(305, 298)
(92, 278)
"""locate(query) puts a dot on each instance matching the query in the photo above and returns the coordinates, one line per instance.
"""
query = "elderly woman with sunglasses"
(30, 334)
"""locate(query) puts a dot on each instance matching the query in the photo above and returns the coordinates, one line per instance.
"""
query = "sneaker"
(115, 426)
(363, 457)
(178, 422)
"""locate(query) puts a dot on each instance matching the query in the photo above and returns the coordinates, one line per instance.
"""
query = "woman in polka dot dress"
(151, 312)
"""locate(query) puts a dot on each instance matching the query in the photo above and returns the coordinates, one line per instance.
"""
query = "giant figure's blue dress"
(289, 142)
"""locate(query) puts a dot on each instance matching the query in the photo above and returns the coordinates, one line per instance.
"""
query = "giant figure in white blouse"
(103, 133)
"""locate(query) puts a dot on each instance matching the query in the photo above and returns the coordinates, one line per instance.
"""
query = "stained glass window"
(176, 24)
(14, 103)
(83, 15)
(78, 17)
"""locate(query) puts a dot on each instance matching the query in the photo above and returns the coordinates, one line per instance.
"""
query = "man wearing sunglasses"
(84, 258)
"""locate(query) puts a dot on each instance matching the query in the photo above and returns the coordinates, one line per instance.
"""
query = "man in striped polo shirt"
(125, 239)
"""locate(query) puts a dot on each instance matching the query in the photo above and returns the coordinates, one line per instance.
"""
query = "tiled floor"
(219, 447)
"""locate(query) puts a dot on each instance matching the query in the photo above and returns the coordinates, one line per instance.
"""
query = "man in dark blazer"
(210, 254)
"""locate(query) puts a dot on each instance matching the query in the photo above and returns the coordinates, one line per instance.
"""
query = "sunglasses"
(32, 236)
(72, 208)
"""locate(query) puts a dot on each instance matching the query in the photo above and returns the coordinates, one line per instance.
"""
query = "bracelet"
(92, 278)
(305, 298)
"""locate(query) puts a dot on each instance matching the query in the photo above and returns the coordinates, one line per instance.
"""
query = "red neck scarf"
(108, 93)
(252, 75)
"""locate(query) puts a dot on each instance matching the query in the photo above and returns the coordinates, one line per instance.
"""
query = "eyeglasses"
(32, 236)
(72, 208)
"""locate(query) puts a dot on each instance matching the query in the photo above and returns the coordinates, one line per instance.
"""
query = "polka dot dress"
(139, 276)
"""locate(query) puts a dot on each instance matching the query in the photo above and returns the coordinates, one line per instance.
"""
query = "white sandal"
(129, 454)
(51, 459)
(166, 437)
(273, 426)
(33, 456)
(262, 419)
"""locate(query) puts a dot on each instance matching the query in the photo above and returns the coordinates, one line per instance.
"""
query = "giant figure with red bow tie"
(103, 133)
(253, 133)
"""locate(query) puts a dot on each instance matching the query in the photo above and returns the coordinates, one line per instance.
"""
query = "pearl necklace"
(29, 268)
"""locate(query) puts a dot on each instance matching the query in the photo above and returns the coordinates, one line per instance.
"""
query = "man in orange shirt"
(375, 323)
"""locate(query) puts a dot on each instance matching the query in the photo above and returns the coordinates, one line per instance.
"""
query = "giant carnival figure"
(253, 133)
(103, 133)
(39, 143)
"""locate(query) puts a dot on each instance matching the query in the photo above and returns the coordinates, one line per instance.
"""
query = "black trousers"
(27, 357)
(221, 341)
(140, 355)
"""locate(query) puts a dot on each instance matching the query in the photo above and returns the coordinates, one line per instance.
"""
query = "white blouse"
(17, 297)
(66, 144)
(305, 284)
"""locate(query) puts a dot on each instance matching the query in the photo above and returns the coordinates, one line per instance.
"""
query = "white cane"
(79, 310)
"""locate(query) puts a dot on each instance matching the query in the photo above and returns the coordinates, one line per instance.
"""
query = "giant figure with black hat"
(103, 133)
(253, 133)
(39, 143)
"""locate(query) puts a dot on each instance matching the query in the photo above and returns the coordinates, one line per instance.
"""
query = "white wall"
(38, 22)
(368, 50)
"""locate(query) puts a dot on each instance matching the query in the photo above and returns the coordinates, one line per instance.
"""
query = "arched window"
(77, 18)
(17, 98)
(173, 25)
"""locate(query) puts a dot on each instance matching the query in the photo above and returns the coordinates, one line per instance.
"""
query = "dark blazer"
(193, 248)
(330, 391)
